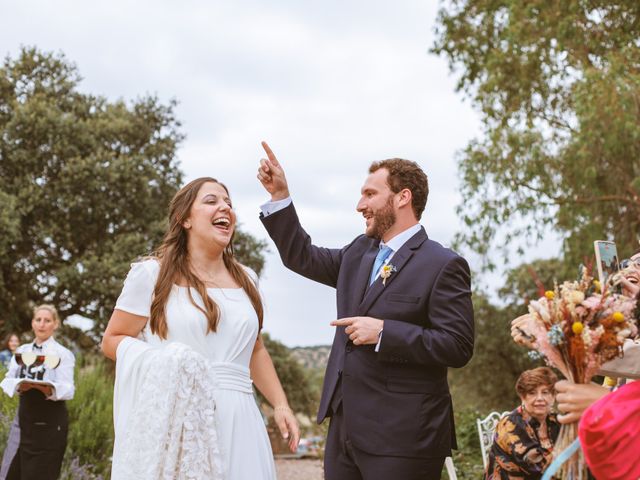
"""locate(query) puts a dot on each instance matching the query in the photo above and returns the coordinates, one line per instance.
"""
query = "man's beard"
(383, 220)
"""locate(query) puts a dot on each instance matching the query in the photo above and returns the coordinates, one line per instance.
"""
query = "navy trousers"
(343, 461)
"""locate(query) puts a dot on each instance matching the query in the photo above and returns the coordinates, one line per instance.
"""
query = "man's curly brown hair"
(406, 174)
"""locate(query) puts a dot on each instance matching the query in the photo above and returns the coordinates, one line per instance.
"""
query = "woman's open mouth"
(222, 223)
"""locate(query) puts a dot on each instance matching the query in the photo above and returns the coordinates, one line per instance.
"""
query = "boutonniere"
(386, 272)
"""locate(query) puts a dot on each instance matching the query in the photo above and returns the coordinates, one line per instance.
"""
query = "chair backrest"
(486, 429)
(451, 470)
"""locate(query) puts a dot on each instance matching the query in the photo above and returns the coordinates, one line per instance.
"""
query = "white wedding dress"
(242, 438)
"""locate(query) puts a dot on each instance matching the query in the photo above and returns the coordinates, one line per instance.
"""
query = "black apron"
(43, 438)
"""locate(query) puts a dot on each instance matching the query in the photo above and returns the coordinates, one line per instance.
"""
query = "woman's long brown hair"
(173, 256)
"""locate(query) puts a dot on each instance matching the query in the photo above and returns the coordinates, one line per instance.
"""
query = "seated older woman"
(524, 439)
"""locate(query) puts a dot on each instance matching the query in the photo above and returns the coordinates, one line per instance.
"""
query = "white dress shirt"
(60, 377)
(274, 206)
(397, 242)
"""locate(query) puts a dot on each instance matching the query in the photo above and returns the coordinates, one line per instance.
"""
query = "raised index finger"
(270, 153)
(342, 322)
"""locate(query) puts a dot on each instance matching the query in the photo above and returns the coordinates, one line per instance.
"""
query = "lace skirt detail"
(170, 430)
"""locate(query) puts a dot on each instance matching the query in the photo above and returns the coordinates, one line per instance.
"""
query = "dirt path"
(299, 469)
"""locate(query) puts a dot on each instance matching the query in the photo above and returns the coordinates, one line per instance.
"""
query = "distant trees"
(558, 88)
(294, 378)
(488, 382)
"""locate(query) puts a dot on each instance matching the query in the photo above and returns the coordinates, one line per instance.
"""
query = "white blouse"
(60, 377)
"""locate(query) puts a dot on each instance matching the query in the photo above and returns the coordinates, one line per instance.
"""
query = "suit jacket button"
(349, 348)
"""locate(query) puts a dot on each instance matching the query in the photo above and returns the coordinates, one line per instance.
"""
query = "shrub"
(8, 409)
(91, 433)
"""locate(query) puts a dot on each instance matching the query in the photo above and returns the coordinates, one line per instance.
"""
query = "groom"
(405, 315)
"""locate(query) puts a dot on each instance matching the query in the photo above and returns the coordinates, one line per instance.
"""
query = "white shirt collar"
(400, 239)
(49, 342)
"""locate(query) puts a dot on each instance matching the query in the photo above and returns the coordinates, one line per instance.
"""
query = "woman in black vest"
(42, 372)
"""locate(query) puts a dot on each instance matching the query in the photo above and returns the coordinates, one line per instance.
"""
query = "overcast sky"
(331, 85)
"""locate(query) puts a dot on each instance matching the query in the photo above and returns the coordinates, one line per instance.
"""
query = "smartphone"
(606, 259)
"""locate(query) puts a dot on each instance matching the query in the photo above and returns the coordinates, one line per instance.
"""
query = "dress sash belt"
(230, 376)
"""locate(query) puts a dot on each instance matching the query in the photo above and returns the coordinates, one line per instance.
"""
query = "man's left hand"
(361, 330)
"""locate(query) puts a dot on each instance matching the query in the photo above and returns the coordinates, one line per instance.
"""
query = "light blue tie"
(383, 254)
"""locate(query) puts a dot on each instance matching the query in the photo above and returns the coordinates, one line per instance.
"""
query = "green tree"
(525, 282)
(87, 183)
(488, 382)
(293, 377)
(249, 250)
(558, 88)
(84, 188)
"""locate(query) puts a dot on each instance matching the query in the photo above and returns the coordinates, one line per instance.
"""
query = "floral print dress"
(517, 451)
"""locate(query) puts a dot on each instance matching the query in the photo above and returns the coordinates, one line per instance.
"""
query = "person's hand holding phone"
(519, 332)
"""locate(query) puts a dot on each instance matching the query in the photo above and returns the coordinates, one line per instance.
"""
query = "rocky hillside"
(312, 357)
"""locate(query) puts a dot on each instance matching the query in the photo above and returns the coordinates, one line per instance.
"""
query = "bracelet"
(282, 408)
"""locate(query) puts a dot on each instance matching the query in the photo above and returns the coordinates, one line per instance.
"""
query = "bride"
(186, 335)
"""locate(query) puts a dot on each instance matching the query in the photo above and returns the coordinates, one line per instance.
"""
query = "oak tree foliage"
(557, 85)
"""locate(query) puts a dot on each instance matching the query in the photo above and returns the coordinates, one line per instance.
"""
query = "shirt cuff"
(9, 385)
(377, 349)
(273, 207)
(61, 391)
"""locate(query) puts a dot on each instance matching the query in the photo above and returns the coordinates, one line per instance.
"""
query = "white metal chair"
(486, 429)
(451, 471)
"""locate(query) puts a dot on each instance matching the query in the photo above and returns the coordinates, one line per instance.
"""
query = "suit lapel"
(399, 260)
(360, 282)
(364, 272)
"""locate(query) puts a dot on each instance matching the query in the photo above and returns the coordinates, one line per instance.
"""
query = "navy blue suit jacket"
(396, 401)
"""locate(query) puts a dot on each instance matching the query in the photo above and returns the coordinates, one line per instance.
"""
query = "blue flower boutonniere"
(386, 272)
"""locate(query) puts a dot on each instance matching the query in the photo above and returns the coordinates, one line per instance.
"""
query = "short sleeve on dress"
(137, 292)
